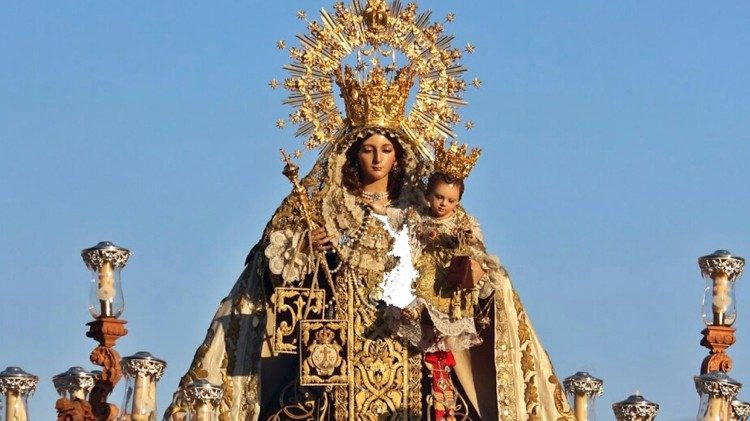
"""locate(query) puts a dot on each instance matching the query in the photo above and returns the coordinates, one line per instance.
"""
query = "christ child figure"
(449, 256)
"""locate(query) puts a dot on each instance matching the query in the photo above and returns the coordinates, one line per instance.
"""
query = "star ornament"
(469, 125)
(301, 15)
(273, 83)
(470, 48)
(280, 123)
(450, 17)
(280, 44)
(476, 82)
(298, 154)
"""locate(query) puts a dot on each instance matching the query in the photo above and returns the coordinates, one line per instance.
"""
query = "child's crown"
(453, 161)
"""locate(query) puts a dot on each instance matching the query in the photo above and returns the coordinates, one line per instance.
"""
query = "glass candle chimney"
(76, 383)
(582, 389)
(16, 386)
(720, 270)
(716, 390)
(635, 408)
(105, 261)
(202, 399)
(142, 371)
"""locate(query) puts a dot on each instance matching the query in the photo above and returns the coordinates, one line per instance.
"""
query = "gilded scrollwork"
(291, 305)
(323, 353)
(504, 364)
(528, 362)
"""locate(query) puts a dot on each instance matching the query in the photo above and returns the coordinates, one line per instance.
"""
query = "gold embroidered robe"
(385, 377)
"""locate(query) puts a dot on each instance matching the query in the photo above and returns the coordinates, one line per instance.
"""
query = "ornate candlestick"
(635, 408)
(106, 261)
(74, 386)
(16, 386)
(740, 410)
(717, 390)
(583, 388)
(720, 270)
(142, 372)
(203, 399)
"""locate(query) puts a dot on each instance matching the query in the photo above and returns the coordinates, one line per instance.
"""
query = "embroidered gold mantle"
(386, 375)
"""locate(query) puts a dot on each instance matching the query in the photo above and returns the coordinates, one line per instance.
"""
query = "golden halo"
(375, 31)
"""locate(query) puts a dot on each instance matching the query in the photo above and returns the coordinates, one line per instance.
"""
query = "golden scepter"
(291, 171)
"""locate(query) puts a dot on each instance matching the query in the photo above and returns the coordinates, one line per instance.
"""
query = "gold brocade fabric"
(436, 242)
(386, 376)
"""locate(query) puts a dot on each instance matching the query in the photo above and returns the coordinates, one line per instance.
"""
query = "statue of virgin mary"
(302, 334)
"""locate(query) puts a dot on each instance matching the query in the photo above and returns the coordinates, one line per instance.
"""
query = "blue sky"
(616, 141)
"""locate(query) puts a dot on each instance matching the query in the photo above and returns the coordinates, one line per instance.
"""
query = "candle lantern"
(105, 261)
(142, 370)
(720, 270)
(740, 410)
(202, 399)
(635, 408)
(719, 310)
(16, 386)
(717, 390)
(583, 389)
(76, 383)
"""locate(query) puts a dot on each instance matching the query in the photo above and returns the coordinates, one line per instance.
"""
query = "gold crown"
(325, 336)
(375, 31)
(377, 101)
(453, 161)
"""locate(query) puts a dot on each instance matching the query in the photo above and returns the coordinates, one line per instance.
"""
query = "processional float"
(307, 322)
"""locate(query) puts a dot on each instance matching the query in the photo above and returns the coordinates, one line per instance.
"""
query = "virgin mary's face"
(376, 156)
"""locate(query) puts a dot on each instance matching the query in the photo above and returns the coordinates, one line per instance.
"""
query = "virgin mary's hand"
(320, 240)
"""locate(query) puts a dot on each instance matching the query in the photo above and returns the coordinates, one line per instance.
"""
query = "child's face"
(443, 199)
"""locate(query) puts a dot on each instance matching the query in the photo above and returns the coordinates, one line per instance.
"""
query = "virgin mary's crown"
(376, 101)
(375, 94)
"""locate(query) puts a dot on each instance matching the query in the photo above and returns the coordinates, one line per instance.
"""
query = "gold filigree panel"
(323, 353)
(291, 306)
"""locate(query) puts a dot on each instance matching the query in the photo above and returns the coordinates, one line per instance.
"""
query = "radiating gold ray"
(345, 30)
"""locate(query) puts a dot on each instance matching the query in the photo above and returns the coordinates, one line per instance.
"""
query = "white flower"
(284, 256)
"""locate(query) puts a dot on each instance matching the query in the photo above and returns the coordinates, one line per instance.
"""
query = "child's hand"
(476, 271)
(410, 313)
